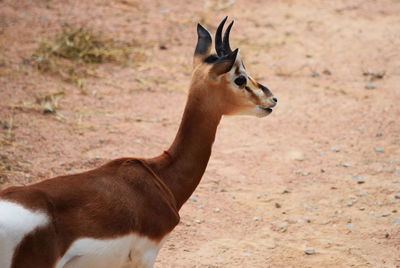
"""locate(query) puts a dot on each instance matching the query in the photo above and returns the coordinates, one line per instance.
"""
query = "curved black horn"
(226, 47)
(219, 46)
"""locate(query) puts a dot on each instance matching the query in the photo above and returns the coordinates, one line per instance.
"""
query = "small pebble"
(386, 215)
(164, 10)
(335, 149)
(193, 199)
(370, 85)
(397, 196)
(379, 150)
(197, 221)
(362, 208)
(255, 219)
(286, 191)
(309, 251)
(387, 235)
(306, 207)
(350, 226)
(188, 224)
(314, 74)
(360, 180)
(346, 164)
(327, 72)
(217, 210)
(379, 134)
(350, 203)
(278, 205)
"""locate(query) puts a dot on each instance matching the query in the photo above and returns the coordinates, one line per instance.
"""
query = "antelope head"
(223, 73)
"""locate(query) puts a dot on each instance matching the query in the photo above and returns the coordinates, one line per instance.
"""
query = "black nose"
(275, 99)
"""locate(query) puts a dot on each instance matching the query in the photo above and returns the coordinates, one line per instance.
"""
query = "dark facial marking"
(237, 71)
(265, 89)
(251, 93)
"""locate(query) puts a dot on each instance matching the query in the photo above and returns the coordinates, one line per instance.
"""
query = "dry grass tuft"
(71, 52)
(50, 101)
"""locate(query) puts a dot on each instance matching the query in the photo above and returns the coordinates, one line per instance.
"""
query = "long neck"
(184, 163)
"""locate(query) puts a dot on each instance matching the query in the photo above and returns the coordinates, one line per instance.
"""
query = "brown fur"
(129, 195)
(118, 198)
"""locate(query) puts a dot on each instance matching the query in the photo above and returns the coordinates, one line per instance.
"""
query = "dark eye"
(240, 81)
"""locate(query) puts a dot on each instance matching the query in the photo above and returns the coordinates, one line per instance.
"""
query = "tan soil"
(247, 219)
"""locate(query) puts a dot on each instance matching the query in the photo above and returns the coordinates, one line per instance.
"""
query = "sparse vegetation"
(71, 52)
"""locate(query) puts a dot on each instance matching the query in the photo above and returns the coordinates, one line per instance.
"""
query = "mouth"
(268, 110)
(263, 111)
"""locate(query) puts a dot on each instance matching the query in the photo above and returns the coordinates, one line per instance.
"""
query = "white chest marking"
(137, 250)
(15, 223)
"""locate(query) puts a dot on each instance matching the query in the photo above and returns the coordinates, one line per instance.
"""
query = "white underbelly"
(15, 223)
(109, 253)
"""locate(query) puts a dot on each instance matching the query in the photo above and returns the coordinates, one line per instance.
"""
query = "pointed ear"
(203, 46)
(224, 64)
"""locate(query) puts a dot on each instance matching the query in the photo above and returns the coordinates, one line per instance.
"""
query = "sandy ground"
(321, 172)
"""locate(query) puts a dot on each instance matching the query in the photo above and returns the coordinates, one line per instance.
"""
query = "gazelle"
(123, 211)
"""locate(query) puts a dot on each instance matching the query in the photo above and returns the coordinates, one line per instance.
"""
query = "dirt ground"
(319, 175)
